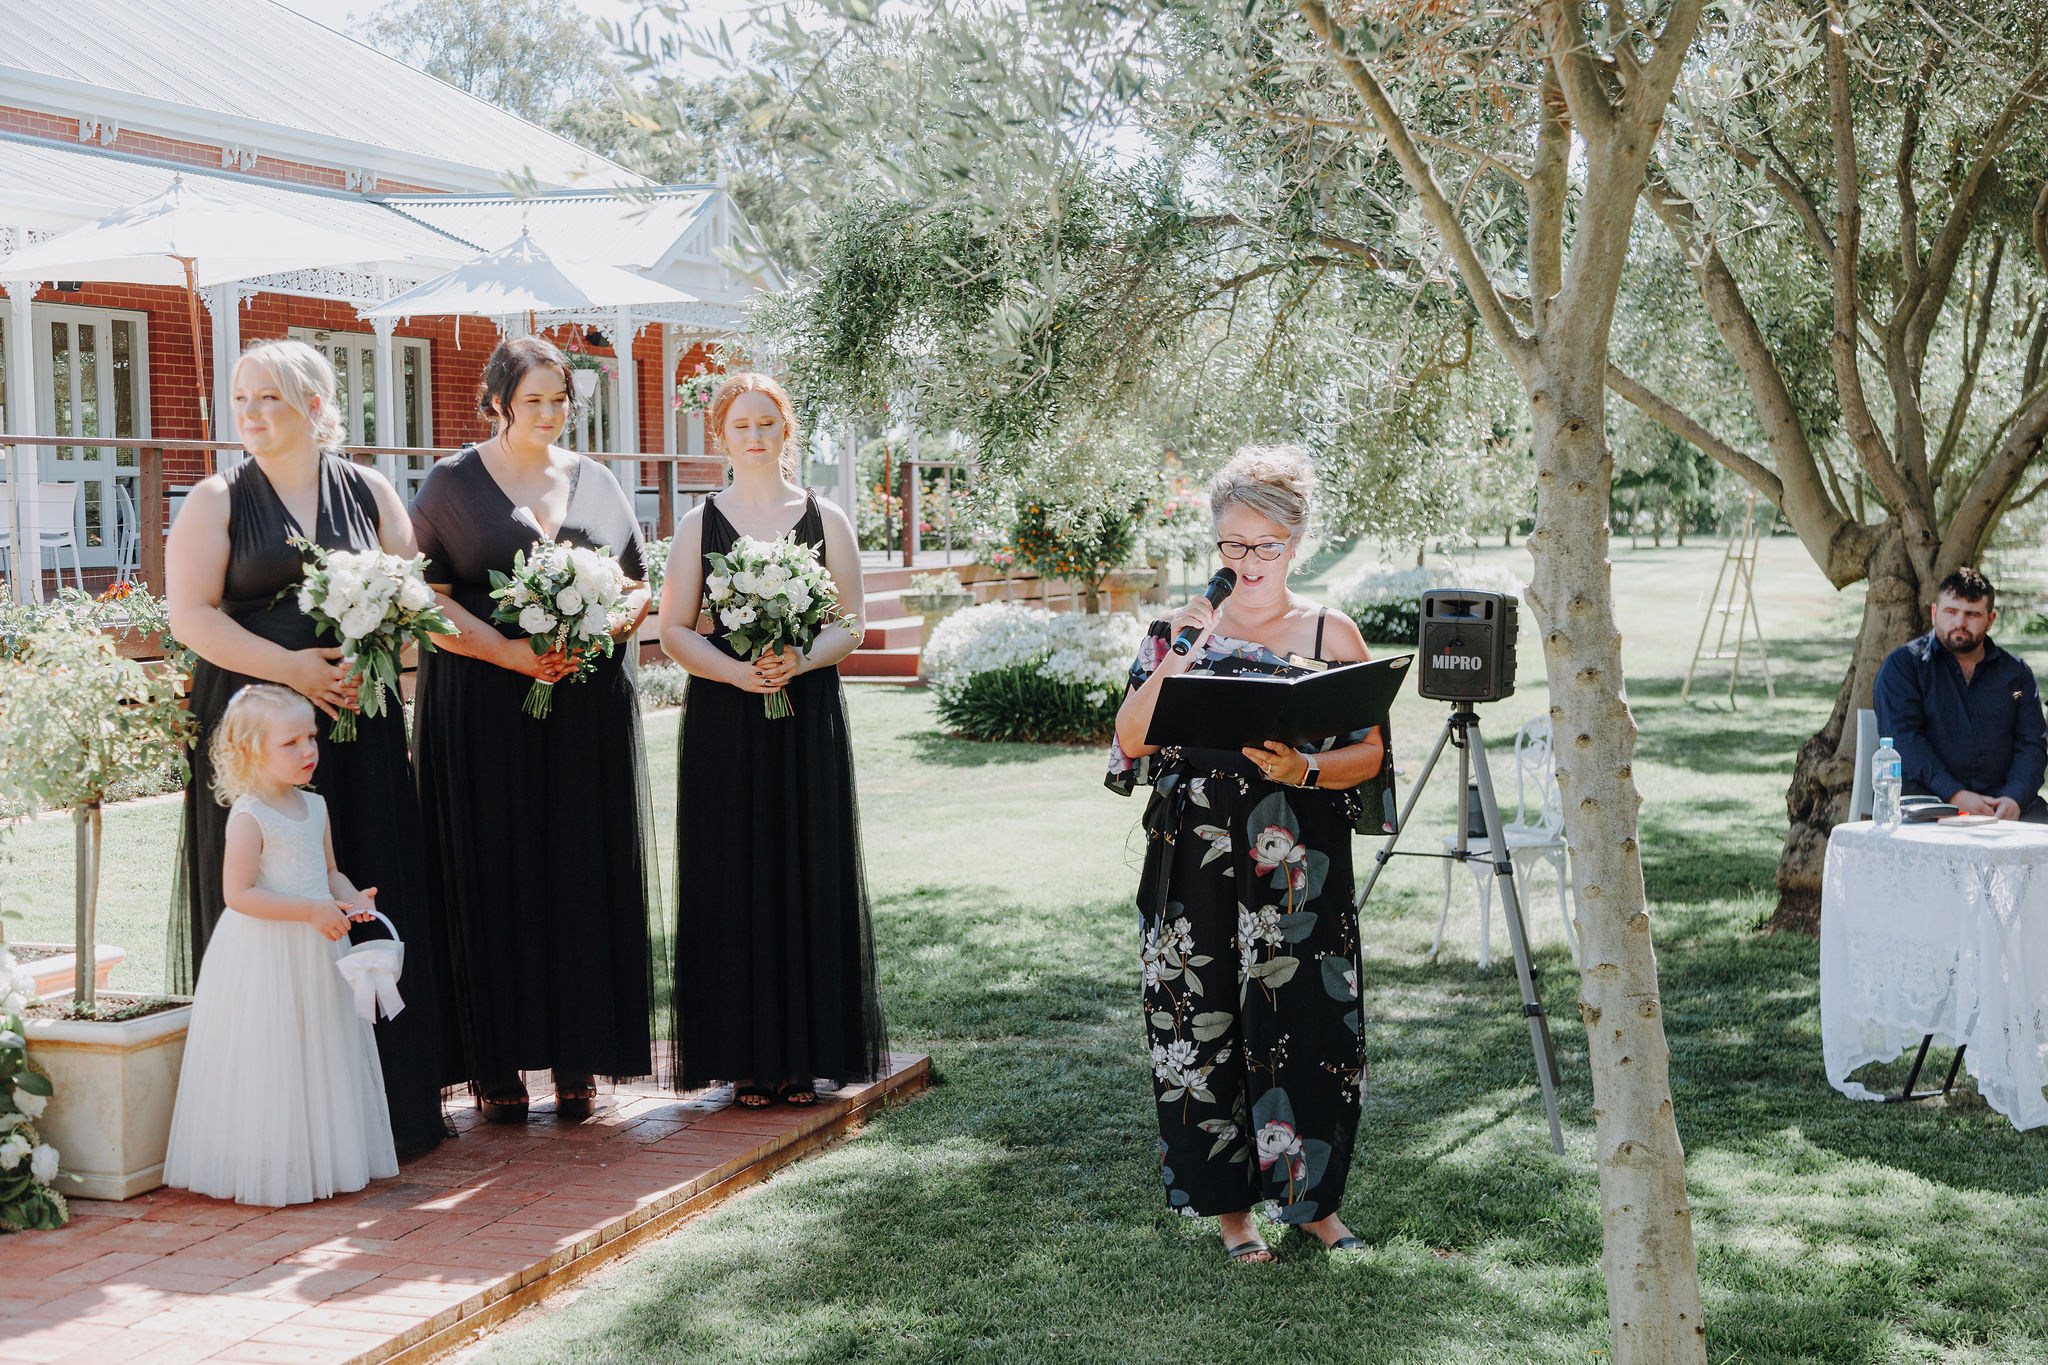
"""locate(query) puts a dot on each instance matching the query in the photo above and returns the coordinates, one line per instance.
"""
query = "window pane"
(123, 361)
(60, 384)
(94, 537)
(88, 382)
(366, 373)
(411, 358)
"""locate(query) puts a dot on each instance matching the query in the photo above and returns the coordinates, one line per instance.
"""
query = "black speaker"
(1467, 645)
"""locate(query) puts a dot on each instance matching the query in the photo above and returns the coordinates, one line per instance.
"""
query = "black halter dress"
(367, 783)
(775, 957)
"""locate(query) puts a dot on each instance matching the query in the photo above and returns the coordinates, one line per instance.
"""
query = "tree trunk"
(1647, 1255)
(1826, 767)
(86, 843)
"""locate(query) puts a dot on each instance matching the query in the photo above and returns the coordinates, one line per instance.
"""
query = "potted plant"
(75, 719)
(1085, 545)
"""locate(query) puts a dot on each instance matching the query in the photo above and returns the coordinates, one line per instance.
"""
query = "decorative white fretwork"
(361, 179)
(237, 158)
(347, 286)
(98, 128)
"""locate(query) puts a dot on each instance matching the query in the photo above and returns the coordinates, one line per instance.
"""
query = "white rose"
(719, 586)
(747, 583)
(306, 602)
(43, 1164)
(360, 619)
(569, 601)
(585, 561)
(415, 595)
(736, 617)
(344, 586)
(595, 621)
(774, 578)
(13, 1150)
(13, 1002)
(799, 598)
(520, 594)
(32, 1105)
(535, 620)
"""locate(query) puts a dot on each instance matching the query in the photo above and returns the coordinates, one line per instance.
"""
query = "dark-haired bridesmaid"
(537, 829)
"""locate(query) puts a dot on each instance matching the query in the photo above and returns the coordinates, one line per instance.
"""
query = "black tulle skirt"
(538, 835)
(774, 954)
(374, 815)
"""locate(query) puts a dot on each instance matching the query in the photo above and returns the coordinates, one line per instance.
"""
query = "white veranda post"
(389, 403)
(671, 352)
(626, 416)
(25, 561)
(224, 302)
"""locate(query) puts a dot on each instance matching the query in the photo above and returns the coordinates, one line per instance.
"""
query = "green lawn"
(1014, 1213)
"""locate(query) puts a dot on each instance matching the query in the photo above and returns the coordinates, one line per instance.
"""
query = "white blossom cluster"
(17, 992)
(558, 585)
(766, 578)
(1380, 585)
(1092, 651)
(364, 592)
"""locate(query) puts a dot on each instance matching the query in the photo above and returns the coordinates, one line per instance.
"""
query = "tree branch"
(1970, 525)
(1547, 186)
(1973, 362)
(1675, 420)
(1792, 191)
(1492, 312)
(1578, 74)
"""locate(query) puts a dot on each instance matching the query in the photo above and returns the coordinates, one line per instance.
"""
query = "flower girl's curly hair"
(236, 749)
(747, 381)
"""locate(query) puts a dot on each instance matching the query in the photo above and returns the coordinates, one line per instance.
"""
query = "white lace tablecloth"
(1942, 930)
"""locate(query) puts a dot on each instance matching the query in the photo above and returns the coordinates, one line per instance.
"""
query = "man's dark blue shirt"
(1986, 735)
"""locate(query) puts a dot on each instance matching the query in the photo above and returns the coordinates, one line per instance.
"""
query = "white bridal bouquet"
(373, 602)
(768, 594)
(563, 597)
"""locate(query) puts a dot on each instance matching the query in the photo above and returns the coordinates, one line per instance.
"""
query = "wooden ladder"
(1740, 607)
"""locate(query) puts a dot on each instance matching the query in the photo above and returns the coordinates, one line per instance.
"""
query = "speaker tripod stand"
(1461, 731)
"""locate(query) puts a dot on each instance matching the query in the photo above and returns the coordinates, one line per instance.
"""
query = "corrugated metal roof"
(62, 185)
(637, 231)
(256, 60)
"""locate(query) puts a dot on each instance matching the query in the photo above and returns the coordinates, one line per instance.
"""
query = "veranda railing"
(675, 477)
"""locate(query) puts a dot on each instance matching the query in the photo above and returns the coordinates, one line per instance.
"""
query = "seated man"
(1964, 714)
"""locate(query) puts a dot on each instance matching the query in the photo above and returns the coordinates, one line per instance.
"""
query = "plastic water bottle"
(1884, 786)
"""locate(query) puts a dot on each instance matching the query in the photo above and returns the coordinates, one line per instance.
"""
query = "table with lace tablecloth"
(1941, 930)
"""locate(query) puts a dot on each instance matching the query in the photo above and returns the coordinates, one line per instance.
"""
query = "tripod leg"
(1518, 937)
(1401, 822)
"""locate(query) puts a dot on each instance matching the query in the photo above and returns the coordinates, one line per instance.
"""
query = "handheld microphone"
(1219, 588)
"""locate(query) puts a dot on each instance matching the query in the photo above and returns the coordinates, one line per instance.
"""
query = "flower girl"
(281, 1100)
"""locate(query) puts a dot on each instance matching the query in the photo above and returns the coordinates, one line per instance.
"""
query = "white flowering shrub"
(1001, 671)
(28, 1165)
(1386, 602)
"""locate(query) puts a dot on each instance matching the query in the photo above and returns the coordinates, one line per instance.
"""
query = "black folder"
(1215, 711)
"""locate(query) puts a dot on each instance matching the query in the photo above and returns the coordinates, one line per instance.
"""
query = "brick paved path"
(411, 1266)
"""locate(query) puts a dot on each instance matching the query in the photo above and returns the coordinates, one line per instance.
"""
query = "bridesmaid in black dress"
(775, 961)
(537, 830)
(227, 562)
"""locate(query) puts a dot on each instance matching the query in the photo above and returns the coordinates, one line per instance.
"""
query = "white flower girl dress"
(281, 1100)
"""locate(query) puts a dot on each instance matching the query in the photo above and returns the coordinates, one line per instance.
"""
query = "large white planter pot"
(110, 1119)
(56, 976)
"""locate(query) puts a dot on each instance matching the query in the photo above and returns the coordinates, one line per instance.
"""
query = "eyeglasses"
(1266, 550)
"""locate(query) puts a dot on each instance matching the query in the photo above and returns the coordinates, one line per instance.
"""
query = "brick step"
(893, 632)
(880, 663)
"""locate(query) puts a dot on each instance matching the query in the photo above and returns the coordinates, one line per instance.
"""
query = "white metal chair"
(1862, 798)
(56, 527)
(127, 537)
(1535, 831)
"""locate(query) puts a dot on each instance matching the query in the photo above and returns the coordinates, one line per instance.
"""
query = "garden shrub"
(1001, 671)
(662, 684)
(1386, 602)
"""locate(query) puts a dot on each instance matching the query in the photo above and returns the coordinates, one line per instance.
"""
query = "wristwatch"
(1314, 773)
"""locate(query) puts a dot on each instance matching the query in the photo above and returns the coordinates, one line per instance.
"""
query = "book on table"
(1244, 710)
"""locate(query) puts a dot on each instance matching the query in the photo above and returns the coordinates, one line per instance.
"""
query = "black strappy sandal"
(802, 1096)
(751, 1097)
(1249, 1251)
(1347, 1242)
(575, 1097)
(501, 1106)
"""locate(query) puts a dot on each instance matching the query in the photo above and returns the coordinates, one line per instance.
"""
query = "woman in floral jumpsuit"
(1250, 938)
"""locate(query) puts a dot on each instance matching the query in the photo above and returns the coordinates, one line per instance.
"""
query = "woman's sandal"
(802, 1096)
(1345, 1243)
(751, 1097)
(1251, 1251)
(575, 1097)
(502, 1107)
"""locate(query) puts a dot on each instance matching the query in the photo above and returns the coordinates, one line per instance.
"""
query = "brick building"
(103, 102)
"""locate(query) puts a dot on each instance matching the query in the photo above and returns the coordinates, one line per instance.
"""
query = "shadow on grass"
(954, 751)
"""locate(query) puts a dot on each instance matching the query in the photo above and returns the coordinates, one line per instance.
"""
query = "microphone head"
(1225, 578)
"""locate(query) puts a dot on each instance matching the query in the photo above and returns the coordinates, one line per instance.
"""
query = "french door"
(92, 379)
(354, 357)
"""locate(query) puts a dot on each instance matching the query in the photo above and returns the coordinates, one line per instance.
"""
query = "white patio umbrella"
(523, 278)
(192, 234)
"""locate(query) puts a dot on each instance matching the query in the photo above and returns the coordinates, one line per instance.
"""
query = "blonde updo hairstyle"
(302, 374)
(1277, 482)
(236, 749)
(748, 381)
